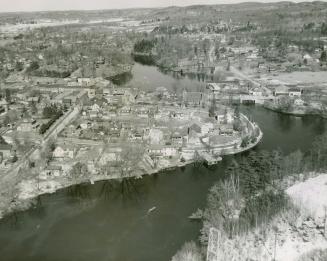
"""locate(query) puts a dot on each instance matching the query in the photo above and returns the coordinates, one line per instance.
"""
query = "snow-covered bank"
(311, 195)
(298, 231)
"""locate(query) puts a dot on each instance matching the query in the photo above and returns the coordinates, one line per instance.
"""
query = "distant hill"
(264, 12)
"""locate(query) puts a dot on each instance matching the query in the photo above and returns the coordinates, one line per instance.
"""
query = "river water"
(108, 221)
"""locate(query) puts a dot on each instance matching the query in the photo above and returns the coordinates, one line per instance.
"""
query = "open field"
(300, 77)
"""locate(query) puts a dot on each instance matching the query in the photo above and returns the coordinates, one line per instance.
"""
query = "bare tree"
(130, 157)
(189, 252)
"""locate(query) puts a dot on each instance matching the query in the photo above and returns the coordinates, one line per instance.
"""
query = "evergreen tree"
(323, 57)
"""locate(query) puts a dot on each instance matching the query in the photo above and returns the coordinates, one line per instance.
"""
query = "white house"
(256, 92)
(177, 137)
(294, 92)
(207, 127)
(95, 107)
(85, 81)
(225, 116)
(164, 151)
(281, 90)
(51, 171)
(64, 151)
(156, 136)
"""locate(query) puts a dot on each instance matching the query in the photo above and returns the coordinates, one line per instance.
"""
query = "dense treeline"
(45, 126)
(33, 66)
(207, 28)
(144, 59)
(121, 79)
(51, 111)
(54, 113)
(323, 29)
(54, 52)
(52, 73)
(144, 46)
(143, 51)
(307, 40)
(168, 51)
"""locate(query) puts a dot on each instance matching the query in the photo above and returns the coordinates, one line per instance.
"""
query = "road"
(246, 77)
(4, 130)
(11, 176)
(212, 56)
(82, 142)
(60, 124)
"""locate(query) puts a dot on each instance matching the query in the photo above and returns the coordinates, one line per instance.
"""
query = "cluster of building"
(170, 128)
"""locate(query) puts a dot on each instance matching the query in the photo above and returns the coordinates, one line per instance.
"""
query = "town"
(236, 92)
(88, 128)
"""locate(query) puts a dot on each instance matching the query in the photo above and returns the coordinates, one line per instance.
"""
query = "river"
(108, 221)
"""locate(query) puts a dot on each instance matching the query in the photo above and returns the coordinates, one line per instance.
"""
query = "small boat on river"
(152, 209)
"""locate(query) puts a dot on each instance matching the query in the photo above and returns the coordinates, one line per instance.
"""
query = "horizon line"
(160, 7)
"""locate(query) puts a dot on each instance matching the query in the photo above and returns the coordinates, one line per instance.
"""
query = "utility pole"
(325, 229)
(275, 246)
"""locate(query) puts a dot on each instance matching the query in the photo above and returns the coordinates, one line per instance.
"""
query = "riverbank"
(25, 193)
(298, 112)
(263, 198)
(199, 74)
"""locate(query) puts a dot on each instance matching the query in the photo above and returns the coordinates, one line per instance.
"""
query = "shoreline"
(30, 189)
(294, 113)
